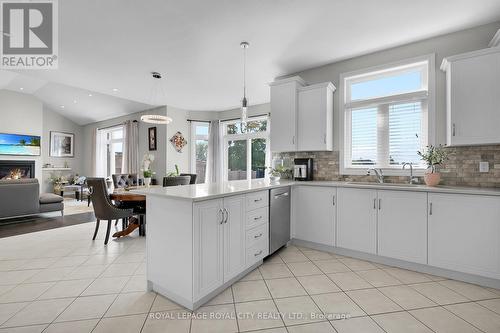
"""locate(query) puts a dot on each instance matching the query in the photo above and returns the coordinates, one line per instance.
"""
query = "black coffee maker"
(303, 169)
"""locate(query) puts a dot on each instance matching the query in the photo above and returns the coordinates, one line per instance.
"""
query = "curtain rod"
(116, 125)
(199, 121)
(256, 116)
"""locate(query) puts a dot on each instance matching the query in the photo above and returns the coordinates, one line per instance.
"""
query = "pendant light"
(157, 90)
(244, 101)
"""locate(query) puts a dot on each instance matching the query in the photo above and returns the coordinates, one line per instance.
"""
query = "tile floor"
(60, 281)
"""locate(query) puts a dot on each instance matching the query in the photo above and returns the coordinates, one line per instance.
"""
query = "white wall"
(179, 124)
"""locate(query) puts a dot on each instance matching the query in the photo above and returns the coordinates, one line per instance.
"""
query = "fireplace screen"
(17, 169)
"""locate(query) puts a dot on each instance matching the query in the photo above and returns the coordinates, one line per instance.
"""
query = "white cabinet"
(234, 236)
(284, 114)
(315, 117)
(464, 233)
(314, 214)
(402, 225)
(357, 219)
(473, 97)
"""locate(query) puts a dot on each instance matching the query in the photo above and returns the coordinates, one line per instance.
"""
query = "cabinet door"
(315, 118)
(402, 225)
(234, 236)
(208, 255)
(464, 233)
(314, 214)
(357, 219)
(475, 100)
(283, 117)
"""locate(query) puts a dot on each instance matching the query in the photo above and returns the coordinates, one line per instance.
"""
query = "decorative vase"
(147, 181)
(274, 179)
(432, 179)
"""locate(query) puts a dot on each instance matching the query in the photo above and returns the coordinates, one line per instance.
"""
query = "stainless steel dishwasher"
(279, 218)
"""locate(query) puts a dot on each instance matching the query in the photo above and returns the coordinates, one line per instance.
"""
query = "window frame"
(101, 146)
(428, 97)
(225, 138)
(194, 138)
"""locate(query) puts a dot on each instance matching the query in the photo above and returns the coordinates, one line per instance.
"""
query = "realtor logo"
(29, 35)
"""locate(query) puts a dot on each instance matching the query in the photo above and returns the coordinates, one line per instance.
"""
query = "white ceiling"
(195, 44)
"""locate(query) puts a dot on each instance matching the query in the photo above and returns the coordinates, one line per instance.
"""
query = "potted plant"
(146, 168)
(58, 182)
(148, 174)
(434, 157)
(279, 171)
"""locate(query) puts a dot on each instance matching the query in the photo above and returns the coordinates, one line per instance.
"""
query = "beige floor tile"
(39, 312)
(435, 277)
(272, 330)
(115, 270)
(11, 265)
(318, 255)
(100, 259)
(484, 319)
(471, 291)
(38, 263)
(442, 321)
(439, 293)
(164, 304)
(81, 326)
(215, 319)
(141, 270)
(9, 309)
(50, 274)
(406, 297)
(373, 301)
(250, 315)
(318, 284)
(331, 266)
(25, 292)
(379, 278)
(358, 265)
(89, 307)
(274, 259)
(16, 277)
(357, 325)
(293, 256)
(398, 322)
(274, 271)
(337, 306)
(495, 291)
(6, 288)
(127, 324)
(406, 276)
(24, 329)
(302, 305)
(323, 327)
(131, 303)
(69, 288)
(250, 291)
(130, 258)
(304, 268)
(70, 261)
(136, 283)
(492, 304)
(103, 286)
(253, 275)
(349, 281)
(169, 321)
(86, 272)
(225, 297)
(285, 287)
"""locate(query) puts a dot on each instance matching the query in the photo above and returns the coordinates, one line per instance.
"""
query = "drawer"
(257, 217)
(257, 252)
(257, 200)
(257, 234)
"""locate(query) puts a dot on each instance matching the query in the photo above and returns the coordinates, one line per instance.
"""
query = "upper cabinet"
(473, 97)
(301, 116)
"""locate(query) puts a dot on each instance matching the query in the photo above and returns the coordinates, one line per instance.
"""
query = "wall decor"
(152, 138)
(178, 141)
(18, 144)
(62, 144)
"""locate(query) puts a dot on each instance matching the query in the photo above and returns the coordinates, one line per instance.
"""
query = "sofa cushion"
(48, 198)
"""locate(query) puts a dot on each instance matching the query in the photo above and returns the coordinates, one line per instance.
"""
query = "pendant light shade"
(156, 119)
(156, 94)
(244, 101)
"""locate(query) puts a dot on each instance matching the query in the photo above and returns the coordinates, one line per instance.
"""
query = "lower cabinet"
(464, 233)
(314, 214)
(234, 237)
(357, 219)
(402, 225)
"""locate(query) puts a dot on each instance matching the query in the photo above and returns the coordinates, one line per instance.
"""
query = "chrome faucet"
(378, 173)
(411, 179)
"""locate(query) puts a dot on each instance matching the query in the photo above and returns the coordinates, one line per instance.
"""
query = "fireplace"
(17, 169)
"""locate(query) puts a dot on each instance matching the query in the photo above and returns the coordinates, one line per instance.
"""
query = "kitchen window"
(109, 151)
(386, 117)
(245, 148)
(199, 149)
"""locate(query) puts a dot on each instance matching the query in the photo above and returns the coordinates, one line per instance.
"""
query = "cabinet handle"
(375, 203)
(333, 200)
(227, 215)
(221, 212)
(430, 208)
(379, 204)
(293, 139)
(454, 129)
(257, 218)
(258, 253)
(277, 196)
(258, 236)
(257, 200)
(324, 138)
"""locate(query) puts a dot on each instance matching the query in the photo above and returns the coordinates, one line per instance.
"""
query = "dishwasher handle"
(281, 195)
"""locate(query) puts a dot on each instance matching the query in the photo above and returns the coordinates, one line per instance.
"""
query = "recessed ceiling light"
(62, 106)
(90, 95)
(74, 101)
(21, 88)
(115, 89)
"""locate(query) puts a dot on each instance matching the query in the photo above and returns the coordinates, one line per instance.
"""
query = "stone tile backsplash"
(461, 169)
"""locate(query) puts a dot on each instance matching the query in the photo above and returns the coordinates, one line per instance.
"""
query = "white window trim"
(431, 113)
(225, 138)
(194, 137)
(101, 170)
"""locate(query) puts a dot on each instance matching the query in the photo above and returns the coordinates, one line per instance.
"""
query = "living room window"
(199, 149)
(246, 148)
(109, 152)
(386, 117)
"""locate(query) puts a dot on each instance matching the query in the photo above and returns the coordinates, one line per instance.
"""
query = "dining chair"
(176, 181)
(193, 177)
(103, 207)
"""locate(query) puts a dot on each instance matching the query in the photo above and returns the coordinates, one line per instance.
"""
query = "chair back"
(103, 207)
(123, 180)
(176, 181)
(192, 175)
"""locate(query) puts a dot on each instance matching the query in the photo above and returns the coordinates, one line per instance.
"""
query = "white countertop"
(201, 192)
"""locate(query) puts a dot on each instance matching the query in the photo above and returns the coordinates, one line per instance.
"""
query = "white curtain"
(93, 157)
(99, 154)
(131, 147)
(213, 160)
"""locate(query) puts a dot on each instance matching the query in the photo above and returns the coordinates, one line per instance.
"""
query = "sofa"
(20, 197)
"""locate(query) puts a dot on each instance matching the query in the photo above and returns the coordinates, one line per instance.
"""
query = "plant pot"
(147, 181)
(432, 179)
(274, 179)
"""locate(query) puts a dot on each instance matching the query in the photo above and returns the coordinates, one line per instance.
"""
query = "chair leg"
(124, 223)
(116, 223)
(88, 200)
(107, 232)
(96, 229)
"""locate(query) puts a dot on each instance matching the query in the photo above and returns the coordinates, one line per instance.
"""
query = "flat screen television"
(18, 144)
